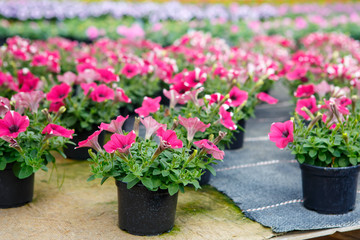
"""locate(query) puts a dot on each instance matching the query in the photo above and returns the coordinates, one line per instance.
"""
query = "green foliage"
(321, 146)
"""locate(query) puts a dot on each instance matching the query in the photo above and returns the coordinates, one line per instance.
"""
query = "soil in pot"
(15, 192)
(238, 138)
(329, 190)
(143, 212)
(81, 153)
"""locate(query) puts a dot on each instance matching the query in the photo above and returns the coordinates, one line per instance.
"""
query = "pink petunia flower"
(192, 125)
(151, 126)
(115, 126)
(92, 32)
(88, 87)
(322, 88)
(4, 106)
(120, 143)
(107, 76)
(194, 79)
(175, 97)
(28, 100)
(266, 98)
(12, 124)
(210, 148)
(282, 133)
(92, 142)
(237, 96)
(215, 98)
(130, 70)
(102, 93)
(56, 130)
(120, 96)
(58, 93)
(69, 78)
(149, 105)
(305, 90)
(226, 120)
(310, 103)
(168, 139)
(55, 106)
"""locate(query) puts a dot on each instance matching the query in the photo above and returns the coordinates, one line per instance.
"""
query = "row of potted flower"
(211, 88)
(323, 132)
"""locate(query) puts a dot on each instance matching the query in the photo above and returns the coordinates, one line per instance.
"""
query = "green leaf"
(132, 183)
(211, 169)
(156, 172)
(2, 165)
(92, 177)
(322, 156)
(103, 180)
(353, 161)
(196, 184)
(336, 153)
(49, 158)
(129, 178)
(343, 162)
(312, 153)
(165, 173)
(300, 158)
(22, 172)
(173, 188)
(156, 182)
(147, 183)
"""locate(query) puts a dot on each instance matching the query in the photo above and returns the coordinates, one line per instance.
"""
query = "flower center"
(285, 134)
(101, 95)
(13, 128)
(61, 95)
(210, 143)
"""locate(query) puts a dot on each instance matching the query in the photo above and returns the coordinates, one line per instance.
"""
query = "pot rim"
(329, 168)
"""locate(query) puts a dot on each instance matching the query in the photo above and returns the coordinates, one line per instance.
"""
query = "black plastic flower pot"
(81, 153)
(15, 192)
(205, 178)
(143, 212)
(329, 190)
(238, 138)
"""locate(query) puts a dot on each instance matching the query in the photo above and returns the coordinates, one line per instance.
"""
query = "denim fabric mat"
(265, 182)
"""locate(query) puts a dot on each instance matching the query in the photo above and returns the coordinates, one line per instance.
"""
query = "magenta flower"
(28, 100)
(151, 126)
(120, 96)
(4, 106)
(27, 82)
(102, 93)
(115, 126)
(175, 97)
(149, 105)
(225, 119)
(210, 148)
(310, 103)
(120, 143)
(107, 76)
(168, 139)
(58, 93)
(55, 106)
(88, 87)
(12, 124)
(282, 133)
(130, 70)
(91, 142)
(237, 96)
(92, 32)
(192, 125)
(194, 79)
(266, 98)
(305, 90)
(57, 130)
(215, 98)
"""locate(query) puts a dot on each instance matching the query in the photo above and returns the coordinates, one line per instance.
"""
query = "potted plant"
(26, 143)
(149, 175)
(327, 149)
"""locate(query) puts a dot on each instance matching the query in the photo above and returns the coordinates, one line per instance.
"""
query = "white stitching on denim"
(256, 164)
(254, 139)
(275, 205)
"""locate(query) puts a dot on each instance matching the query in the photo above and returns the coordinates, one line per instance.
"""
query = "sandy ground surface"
(86, 210)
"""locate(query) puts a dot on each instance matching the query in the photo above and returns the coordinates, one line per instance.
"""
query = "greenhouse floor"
(86, 210)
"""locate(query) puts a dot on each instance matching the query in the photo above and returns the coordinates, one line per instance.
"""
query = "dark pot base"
(205, 178)
(238, 138)
(143, 212)
(15, 192)
(329, 190)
